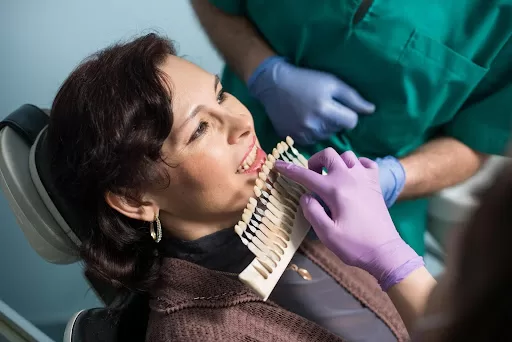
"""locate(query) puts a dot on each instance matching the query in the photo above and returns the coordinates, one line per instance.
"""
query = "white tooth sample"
(240, 228)
(258, 253)
(298, 188)
(277, 238)
(301, 158)
(276, 229)
(262, 247)
(280, 214)
(280, 197)
(286, 194)
(284, 200)
(260, 270)
(272, 230)
(246, 218)
(270, 244)
(266, 267)
(275, 153)
(278, 222)
(262, 176)
(281, 151)
(276, 202)
(252, 243)
(280, 230)
(289, 155)
(267, 168)
(290, 190)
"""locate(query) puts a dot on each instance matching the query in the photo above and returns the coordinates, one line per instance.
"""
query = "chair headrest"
(25, 179)
(68, 216)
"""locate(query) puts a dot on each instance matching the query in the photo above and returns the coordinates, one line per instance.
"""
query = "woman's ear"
(142, 211)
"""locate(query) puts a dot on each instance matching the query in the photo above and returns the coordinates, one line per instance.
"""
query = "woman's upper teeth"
(249, 159)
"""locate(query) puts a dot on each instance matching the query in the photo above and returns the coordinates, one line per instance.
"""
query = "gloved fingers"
(338, 117)
(351, 98)
(368, 163)
(327, 158)
(350, 159)
(310, 179)
(316, 216)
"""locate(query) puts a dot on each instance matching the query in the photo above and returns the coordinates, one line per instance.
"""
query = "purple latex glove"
(391, 178)
(305, 104)
(360, 232)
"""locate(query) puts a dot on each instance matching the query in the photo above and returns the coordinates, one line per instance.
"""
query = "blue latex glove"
(391, 178)
(305, 104)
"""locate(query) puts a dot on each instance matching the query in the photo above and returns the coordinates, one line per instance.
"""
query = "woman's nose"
(239, 126)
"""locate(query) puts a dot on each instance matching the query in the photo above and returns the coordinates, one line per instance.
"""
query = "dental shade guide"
(273, 225)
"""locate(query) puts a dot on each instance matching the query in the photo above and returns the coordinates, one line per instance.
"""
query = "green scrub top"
(432, 67)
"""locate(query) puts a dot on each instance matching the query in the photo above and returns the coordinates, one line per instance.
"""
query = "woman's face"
(211, 140)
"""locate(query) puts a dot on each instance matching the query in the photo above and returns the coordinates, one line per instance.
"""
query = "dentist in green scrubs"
(423, 87)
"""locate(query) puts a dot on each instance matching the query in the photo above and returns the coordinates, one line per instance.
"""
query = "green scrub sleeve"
(486, 125)
(234, 7)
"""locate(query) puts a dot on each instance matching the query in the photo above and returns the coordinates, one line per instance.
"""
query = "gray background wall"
(40, 43)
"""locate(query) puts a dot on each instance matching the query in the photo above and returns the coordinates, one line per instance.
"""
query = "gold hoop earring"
(156, 234)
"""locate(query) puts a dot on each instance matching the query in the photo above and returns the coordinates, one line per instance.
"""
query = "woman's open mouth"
(253, 161)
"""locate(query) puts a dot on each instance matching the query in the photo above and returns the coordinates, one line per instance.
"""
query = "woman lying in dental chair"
(140, 140)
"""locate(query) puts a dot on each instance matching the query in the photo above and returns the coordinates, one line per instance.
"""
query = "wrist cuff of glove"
(398, 172)
(267, 62)
(401, 273)
(393, 262)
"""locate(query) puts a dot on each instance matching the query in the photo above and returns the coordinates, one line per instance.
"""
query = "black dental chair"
(50, 226)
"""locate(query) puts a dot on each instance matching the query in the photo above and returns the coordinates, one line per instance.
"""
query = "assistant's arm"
(440, 163)
(234, 36)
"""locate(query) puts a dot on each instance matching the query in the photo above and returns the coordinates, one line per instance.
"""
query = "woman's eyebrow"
(199, 108)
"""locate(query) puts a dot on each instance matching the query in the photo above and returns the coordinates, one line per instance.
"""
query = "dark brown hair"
(482, 298)
(107, 126)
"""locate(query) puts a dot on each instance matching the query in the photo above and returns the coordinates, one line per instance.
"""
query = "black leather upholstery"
(27, 121)
(127, 323)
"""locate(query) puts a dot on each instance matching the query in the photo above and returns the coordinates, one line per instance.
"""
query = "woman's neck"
(191, 230)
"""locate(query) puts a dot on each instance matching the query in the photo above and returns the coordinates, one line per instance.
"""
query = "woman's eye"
(221, 96)
(200, 130)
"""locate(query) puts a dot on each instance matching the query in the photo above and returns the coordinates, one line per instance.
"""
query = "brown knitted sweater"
(191, 303)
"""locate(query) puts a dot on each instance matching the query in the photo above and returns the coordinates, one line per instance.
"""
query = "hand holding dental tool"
(306, 104)
(360, 230)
